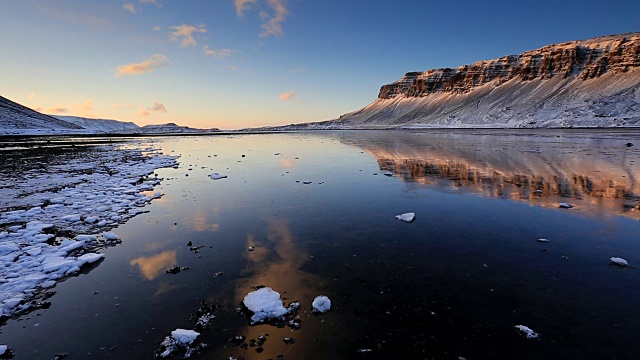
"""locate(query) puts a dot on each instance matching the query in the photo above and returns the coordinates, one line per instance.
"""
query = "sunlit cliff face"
(599, 177)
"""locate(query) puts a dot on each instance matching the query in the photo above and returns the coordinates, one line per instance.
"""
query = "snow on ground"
(530, 334)
(180, 340)
(321, 304)
(53, 213)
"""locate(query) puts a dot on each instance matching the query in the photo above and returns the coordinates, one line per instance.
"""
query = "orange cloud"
(154, 62)
(219, 54)
(287, 96)
(31, 95)
(274, 25)
(184, 34)
(242, 5)
(156, 107)
(129, 7)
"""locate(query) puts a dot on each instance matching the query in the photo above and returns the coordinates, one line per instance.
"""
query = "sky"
(234, 64)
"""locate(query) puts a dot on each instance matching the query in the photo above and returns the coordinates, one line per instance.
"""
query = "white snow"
(265, 304)
(406, 217)
(216, 176)
(110, 235)
(184, 337)
(104, 183)
(530, 334)
(321, 304)
(543, 240)
(619, 261)
(3, 349)
(565, 205)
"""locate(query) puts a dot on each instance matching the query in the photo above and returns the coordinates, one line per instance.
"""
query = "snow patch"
(530, 334)
(406, 217)
(321, 304)
(265, 304)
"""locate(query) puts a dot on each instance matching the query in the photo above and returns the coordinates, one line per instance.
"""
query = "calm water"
(453, 283)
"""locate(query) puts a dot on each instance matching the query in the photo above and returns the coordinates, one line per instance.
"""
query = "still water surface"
(451, 284)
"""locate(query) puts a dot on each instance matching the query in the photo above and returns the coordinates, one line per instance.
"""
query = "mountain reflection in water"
(597, 174)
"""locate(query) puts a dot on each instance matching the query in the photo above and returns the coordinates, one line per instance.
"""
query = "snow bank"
(66, 196)
(321, 304)
(265, 304)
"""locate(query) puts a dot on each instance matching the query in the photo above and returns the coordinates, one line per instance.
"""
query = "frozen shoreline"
(55, 210)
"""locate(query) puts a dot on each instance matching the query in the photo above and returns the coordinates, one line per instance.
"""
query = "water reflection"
(152, 266)
(598, 173)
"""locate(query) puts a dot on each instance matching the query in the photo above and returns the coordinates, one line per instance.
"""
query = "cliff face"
(589, 83)
(582, 59)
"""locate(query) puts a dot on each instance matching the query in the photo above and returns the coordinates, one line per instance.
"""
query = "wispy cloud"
(156, 107)
(151, 64)
(272, 21)
(287, 96)
(57, 110)
(218, 54)
(31, 95)
(157, 28)
(273, 26)
(129, 7)
(242, 5)
(184, 34)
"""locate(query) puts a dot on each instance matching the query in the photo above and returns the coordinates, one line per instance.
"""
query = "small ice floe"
(406, 217)
(388, 173)
(265, 304)
(526, 331)
(251, 248)
(321, 304)
(110, 235)
(543, 240)
(216, 176)
(565, 206)
(3, 349)
(179, 341)
(619, 261)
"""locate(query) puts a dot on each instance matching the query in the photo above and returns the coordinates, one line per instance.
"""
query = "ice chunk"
(619, 261)
(184, 337)
(565, 205)
(543, 240)
(265, 304)
(3, 349)
(321, 304)
(530, 334)
(216, 176)
(388, 173)
(89, 258)
(406, 217)
(110, 235)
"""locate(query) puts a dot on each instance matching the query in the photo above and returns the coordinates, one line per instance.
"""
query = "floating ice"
(184, 337)
(619, 261)
(530, 334)
(3, 349)
(565, 205)
(216, 176)
(388, 173)
(110, 235)
(406, 217)
(180, 339)
(321, 304)
(265, 304)
(543, 240)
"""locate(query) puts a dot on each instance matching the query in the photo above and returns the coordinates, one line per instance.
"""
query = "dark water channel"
(453, 283)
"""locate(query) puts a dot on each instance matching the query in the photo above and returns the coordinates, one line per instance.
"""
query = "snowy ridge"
(100, 125)
(52, 216)
(16, 119)
(590, 83)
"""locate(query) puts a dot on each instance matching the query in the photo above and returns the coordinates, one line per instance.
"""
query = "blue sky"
(241, 63)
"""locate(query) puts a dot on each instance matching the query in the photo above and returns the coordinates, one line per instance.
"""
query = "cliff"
(589, 83)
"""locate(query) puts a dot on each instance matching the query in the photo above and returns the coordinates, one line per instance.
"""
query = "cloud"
(156, 107)
(184, 34)
(129, 7)
(57, 110)
(273, 26)
(272, 22)
(151, 64)
(218, 54)
(31, 95)
(157, 28)
(242, 5)
(86, 106)
(287, 96)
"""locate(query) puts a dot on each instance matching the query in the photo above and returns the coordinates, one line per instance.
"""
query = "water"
(453, 283)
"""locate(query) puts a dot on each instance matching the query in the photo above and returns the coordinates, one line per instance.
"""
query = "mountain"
(100, 125)
(589, 83)
(169, 128)
(16, 119)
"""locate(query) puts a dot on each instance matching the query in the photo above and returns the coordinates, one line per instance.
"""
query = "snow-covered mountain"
(589, 83)
(16, 119)
(100, 125)
(169, 128)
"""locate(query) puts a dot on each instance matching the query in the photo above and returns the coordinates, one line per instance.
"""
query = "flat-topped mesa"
(583, 59)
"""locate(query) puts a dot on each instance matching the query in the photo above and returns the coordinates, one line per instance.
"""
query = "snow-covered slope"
(100, 125)
(169, 128)
(16, 119)
(590, 83)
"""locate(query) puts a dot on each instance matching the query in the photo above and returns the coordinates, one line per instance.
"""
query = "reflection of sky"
(152, 266)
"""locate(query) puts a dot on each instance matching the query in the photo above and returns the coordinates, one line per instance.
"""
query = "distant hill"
(100, 125)
(17, 119)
